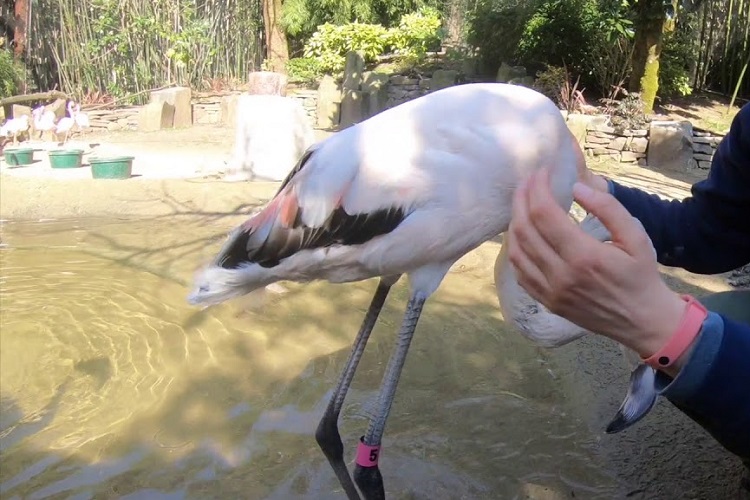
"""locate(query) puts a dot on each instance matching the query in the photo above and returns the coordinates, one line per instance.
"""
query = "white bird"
(44, 120)
(66, 123)
(13, 127)
(408, 191)
(81, 119)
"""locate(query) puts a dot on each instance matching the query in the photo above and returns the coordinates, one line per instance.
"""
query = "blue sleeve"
(713, 388)
(709, 231)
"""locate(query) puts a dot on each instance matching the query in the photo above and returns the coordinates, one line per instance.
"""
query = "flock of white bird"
(44, 121)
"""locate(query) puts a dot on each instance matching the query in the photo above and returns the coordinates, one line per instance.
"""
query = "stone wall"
(113, 120)
(309, 100)
(674, 144)
(402, 88)
(207, 110)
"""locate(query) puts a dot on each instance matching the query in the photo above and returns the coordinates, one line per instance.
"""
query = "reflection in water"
(113, 387)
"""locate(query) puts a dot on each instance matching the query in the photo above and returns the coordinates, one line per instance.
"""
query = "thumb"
(626, 231)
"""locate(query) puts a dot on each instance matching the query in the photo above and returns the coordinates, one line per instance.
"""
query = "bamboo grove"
(120, 47)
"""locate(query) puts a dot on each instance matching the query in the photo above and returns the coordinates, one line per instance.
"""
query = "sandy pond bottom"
(114, 387)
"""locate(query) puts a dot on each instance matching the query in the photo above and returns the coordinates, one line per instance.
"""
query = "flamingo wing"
(308, 212)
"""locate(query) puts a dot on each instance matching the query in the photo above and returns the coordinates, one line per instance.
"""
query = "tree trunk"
(455, 22)
(19, 28)
(277, 49)
(649, 26)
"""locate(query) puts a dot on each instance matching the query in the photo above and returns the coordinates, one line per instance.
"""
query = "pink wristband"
(690, 325)
(367, 456)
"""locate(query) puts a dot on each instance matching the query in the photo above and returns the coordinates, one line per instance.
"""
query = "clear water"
(112, 386)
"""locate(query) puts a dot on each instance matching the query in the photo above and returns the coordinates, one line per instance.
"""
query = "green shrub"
(495, 28)
(330, 44)
(674, 65)
(416, 33)
(9, 74)
(550, 81)
(303, 70)
(560, 33)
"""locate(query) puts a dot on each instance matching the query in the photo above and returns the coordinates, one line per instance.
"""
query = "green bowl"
(65, 158)
(112, 167)
(18, 156)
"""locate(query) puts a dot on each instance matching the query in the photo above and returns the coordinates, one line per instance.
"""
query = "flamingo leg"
(327, 435)
(366, 473)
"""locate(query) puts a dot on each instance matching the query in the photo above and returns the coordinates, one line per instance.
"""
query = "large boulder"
(156, 115)
(443, 78)
(506, 72)
(271, 134)
(670, 145)
(329, 103)
(353, 70)
(180, 98)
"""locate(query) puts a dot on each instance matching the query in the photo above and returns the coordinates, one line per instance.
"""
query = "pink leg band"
(367, 456)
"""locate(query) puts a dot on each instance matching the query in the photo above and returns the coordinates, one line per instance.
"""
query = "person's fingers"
(561, 234)
(526, 236)
(626, 232)
(528, 274)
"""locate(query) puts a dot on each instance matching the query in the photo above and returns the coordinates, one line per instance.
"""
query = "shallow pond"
(112, 386)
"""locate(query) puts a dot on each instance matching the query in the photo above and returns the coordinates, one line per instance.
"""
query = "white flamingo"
(66, 123)
(81, 119)
(409, 191)
(13, 127)
(44, 120)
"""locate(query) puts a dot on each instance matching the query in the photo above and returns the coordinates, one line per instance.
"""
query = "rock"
(329, 103)
(375, 101)
(638, 144)
(599, 127)
(532, 491)
(228, 110)
(375, 88)
(670, 145)
(267, 83)
(524, 81)
(597, 120)
(605, 135)
(156, 115)
(704, 164)
(353, 68)
(58, 107)
(180, 99)
(353, 108)
(700, 139)
(443, 78)
(618, 143)
(702, 148)
(271, 135)
(600, 151)
(506, 72)
(628, 156)
(639, 133)
(424, 83)
(19, 110)
(401, 80)
(578, 125)
(592, 139)
(374, 81)
(703, 157)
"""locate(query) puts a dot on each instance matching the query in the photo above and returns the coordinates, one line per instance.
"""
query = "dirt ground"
(704, 110)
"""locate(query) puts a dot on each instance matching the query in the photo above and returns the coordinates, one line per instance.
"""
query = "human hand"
(613, 289)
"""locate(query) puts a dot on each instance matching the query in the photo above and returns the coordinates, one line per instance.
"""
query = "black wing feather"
(340, 228)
